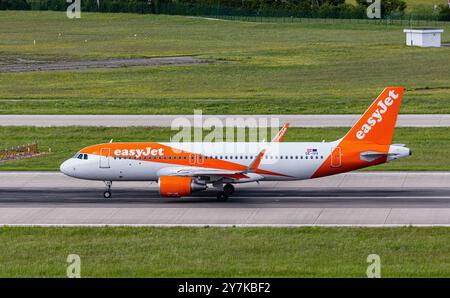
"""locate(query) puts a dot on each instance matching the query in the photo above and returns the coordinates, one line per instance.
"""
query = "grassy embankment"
(288, 68)
(225, 252)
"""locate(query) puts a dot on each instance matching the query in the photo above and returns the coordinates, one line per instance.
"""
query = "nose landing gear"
(107, 193)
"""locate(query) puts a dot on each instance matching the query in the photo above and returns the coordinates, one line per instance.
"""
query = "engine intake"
(174, 186)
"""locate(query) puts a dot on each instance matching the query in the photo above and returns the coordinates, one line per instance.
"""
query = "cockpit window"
(76, 155)
(85, 156)
(80, 156)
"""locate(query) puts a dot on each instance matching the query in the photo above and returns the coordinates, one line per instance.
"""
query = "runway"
(167, 120)
(353, 199)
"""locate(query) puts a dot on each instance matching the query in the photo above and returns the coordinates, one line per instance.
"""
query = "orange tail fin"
(377, 124)
(372, 133)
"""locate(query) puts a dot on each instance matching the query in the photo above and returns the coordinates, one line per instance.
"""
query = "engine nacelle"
(174, 186)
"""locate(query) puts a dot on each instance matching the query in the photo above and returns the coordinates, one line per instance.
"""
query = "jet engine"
(174, 186)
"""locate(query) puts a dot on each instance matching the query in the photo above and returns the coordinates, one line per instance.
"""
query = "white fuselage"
(294, 161)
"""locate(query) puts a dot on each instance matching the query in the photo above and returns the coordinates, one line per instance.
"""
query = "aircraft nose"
(66, 168)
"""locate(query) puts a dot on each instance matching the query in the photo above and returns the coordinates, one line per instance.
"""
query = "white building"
(423, 37)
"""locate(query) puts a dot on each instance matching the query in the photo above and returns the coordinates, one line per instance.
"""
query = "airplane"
(184, 168)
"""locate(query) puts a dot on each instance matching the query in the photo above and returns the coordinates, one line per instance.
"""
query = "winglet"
(280, 135)
(255, 163)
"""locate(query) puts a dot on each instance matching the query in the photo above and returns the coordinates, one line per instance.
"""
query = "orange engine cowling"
(173, 186)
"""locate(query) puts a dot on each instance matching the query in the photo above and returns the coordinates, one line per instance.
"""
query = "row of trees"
(279, 8)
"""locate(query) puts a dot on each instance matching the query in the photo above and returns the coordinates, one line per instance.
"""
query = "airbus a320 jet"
(184, 168)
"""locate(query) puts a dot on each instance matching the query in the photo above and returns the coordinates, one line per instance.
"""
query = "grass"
(415, 3)
(430, 145)
(224, 252)
(273, 68)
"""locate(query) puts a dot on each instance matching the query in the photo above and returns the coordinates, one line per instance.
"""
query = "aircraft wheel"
(222, 196)
(228, 189)
(107, 194)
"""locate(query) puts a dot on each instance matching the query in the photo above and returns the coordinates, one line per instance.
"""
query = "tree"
(444, 13)
(388, 7)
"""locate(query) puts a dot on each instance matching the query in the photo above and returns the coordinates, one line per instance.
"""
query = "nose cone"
(67, 168)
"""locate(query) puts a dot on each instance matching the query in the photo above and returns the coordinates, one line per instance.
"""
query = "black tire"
(107, 194)
(222, 196)
(228, 189)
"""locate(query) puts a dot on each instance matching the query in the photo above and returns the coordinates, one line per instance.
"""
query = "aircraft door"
(336, 157)
(104, 157)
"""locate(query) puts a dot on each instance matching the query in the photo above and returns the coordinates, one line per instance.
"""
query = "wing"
(217, 174)
(200, 172)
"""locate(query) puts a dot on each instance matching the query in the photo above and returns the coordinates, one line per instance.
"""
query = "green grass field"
(224, 252)
(287, 68)
(430, 145)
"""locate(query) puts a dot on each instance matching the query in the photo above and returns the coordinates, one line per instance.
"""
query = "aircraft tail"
(376, 125)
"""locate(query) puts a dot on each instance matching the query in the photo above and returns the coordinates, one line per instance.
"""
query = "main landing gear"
(228, 190)
(107, 193)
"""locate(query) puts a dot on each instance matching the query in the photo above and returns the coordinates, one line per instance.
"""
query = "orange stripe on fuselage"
(172, 152)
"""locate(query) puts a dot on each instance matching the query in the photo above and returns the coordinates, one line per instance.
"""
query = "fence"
(403, 21)
(18, 152)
